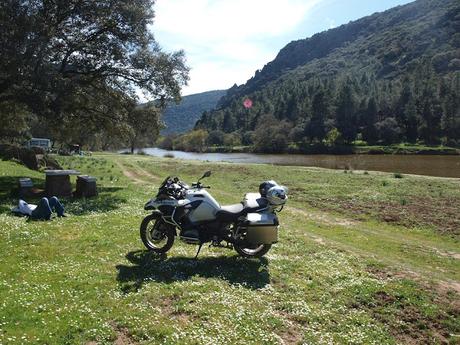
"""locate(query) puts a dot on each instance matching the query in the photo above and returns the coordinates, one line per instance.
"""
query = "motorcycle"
(192, 214)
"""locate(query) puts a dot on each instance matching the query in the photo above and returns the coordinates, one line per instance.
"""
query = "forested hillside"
(181, 117)
(387, 78)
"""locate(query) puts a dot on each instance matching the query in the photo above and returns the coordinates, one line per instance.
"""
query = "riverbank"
(397, 149)
(362, 258)
(431, 165)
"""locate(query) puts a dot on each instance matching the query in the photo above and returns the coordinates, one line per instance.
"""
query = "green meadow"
(363, 258)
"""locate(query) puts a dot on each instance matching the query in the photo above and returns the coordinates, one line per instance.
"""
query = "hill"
(181, 117)
(389, 77)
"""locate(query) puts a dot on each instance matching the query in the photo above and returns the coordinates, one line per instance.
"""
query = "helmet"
(277, 195)
(265, 186)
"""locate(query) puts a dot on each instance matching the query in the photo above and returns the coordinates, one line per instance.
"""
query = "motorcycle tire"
(256, 252)
(156, 239)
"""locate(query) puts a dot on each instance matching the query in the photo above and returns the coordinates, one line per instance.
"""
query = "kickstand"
(198, 252)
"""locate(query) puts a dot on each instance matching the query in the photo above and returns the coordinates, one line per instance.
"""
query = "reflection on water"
(432, 165)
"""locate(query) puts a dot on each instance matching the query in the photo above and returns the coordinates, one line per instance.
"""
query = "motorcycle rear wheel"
(156, 235)
(256, 251)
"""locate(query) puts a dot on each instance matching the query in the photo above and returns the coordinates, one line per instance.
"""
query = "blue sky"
(226, 41)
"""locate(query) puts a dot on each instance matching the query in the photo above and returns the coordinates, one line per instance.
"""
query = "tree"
(345, 114)
(411, 116)
(388, 130)
(369, 120)
(450, 121)
(228, 123)
(216, 137)
(429, 124)
(144, 122)
(270, 135)
(192, 141)
(316, 128)
(333, 137)
(232, 140)
(15, 122)
(61, 59)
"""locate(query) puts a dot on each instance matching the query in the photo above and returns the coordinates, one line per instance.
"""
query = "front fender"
(150, 205)
(156, 214)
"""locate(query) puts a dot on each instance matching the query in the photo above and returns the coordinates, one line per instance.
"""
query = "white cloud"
(229, 19)
(225, 40)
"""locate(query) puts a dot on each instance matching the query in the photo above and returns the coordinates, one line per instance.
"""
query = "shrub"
(232, 139)
(216, 138)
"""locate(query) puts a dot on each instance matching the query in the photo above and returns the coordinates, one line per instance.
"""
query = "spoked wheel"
(252, 251)
(156, 235)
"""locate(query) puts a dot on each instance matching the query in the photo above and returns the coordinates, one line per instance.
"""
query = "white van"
(39, 142)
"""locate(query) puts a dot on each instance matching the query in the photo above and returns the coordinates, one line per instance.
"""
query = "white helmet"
(277, 196)
(265, 186)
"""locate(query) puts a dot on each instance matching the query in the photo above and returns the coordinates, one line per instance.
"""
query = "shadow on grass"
(106, 201)
(148, 266)
(9, 187)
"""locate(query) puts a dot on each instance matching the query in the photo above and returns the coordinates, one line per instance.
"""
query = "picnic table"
(57, 182)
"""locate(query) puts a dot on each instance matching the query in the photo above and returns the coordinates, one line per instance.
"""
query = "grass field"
(363, 258)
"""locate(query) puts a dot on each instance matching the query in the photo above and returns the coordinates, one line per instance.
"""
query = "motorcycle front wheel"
(156, 235)
(252, 251)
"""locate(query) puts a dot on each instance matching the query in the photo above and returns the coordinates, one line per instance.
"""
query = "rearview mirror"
(206, 174)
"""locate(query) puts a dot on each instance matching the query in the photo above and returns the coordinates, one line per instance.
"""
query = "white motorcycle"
(250, 227)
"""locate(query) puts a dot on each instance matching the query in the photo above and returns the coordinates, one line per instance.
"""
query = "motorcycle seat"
(233, 209)
(230, 212)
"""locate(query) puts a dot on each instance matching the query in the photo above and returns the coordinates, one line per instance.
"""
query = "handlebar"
(199, 185)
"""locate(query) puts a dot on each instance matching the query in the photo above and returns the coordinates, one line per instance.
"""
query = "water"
(431, 165)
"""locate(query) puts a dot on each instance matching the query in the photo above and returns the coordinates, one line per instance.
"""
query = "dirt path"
(137, 176)
(130, 174)
(145, 173)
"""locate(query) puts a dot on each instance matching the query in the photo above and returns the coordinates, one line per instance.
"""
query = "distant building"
(39, 142)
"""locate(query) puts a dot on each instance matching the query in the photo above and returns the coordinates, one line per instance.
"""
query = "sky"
(226, 41)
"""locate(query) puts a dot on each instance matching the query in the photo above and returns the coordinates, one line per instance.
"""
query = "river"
(431, 165)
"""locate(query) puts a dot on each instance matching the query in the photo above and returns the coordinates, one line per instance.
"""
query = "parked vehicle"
(191, 213)
(42, 143)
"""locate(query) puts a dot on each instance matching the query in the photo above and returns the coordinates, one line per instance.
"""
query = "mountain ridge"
(299, 52)
(181, 117)
(390, 77)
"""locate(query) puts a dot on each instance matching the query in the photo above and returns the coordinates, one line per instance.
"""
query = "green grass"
(362, 259)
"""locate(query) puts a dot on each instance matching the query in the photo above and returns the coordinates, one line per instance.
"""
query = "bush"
(271, 135)
(232, 139)
(22, 154)
(192, 141)
(248, 138)
(167, 143)
(333, 137)
(216, 138)
(389, 130)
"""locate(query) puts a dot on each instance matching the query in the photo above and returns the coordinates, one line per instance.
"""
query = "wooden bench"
(86, 186)
(25, 187)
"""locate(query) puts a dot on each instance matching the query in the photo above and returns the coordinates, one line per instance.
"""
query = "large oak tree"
(84, 61)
